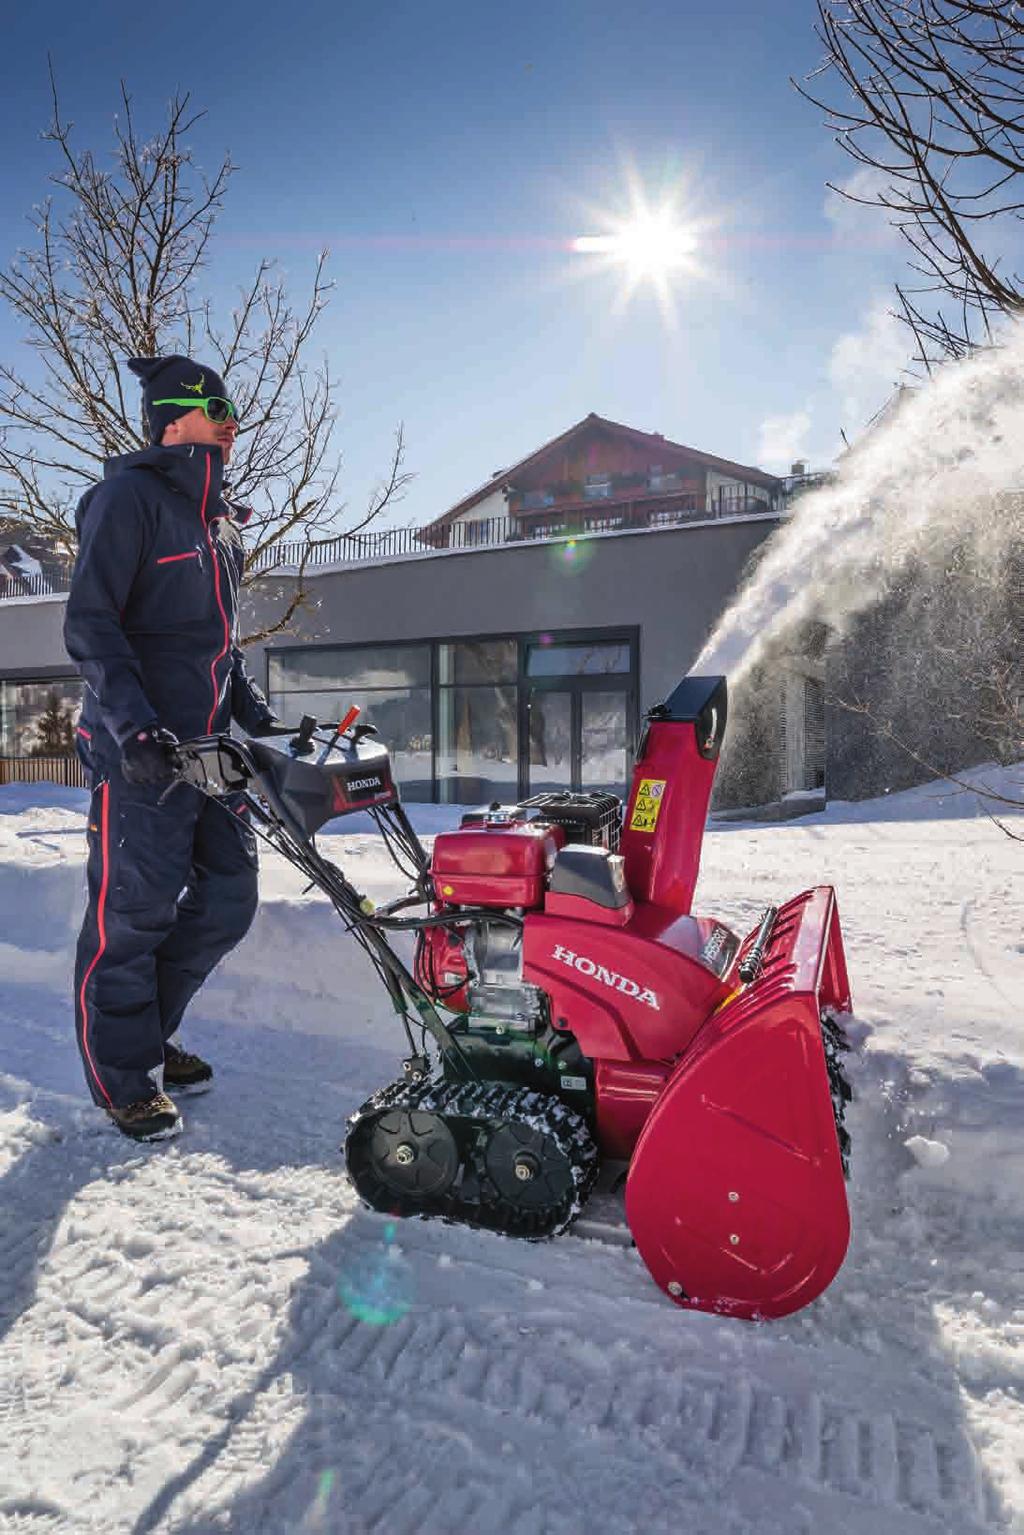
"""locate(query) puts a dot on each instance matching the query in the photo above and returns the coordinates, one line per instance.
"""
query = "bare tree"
(115, 273)
(932, 103)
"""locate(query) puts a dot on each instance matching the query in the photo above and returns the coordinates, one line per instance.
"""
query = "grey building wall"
(672, 584)
(31, 639)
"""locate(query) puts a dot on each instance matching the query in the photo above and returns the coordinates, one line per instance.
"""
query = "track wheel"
(527, 1168)
(405, 1157)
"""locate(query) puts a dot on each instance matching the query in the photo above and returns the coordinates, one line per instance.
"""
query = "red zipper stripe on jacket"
(101, 923)
(220, 603)
(169, 559)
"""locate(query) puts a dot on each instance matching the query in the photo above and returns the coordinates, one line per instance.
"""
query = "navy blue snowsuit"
(152, 622)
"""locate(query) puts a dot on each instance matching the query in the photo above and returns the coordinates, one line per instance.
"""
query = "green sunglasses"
(215, 407)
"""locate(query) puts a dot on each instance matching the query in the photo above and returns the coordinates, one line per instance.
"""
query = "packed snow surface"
(210, 1334)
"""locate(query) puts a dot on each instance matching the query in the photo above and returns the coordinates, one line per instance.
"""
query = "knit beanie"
(165, 378)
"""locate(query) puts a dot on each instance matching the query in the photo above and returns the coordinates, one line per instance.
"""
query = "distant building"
(28, 564)
(601, 476)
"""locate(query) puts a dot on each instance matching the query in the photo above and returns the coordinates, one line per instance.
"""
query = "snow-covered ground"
(182, 1342)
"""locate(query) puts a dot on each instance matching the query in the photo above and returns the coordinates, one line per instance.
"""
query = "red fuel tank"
(496, 864)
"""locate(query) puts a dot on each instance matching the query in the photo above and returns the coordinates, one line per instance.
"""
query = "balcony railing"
(497, 532)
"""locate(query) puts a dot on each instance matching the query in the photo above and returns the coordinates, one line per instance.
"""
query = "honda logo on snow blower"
(343, 791)
(611, 978)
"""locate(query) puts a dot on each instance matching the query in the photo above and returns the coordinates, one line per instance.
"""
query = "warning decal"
(648, 804)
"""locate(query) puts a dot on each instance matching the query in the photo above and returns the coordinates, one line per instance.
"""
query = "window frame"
(629, 680)
(42, 676)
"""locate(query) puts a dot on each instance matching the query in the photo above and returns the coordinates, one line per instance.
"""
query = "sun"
(650, 245)
(656, 246)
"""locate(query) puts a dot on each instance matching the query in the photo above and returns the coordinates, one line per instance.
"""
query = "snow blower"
(583, 1020)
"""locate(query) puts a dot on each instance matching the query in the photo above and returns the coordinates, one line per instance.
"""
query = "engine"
(502, 861)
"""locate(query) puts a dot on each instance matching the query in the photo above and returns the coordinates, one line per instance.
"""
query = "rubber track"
(475, 1110)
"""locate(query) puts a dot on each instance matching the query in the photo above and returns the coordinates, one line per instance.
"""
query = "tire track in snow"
(691, 1419)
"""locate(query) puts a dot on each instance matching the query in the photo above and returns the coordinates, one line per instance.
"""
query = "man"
(152, 622)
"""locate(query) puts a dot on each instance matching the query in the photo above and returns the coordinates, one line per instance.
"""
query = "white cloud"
(866, 365)
(782, 440)
(854, 221)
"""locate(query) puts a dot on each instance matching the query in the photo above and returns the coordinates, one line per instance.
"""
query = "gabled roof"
(25, 556)
(654, 440)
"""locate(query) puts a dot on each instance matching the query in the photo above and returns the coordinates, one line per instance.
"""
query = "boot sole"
(188, 1089)
(165, 1134)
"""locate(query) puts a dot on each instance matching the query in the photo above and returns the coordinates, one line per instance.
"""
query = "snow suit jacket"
(153, 609)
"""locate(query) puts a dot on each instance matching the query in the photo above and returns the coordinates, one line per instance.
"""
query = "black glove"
(268, 725)
(148, 756)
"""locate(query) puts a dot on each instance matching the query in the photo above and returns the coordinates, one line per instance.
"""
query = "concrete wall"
(673, 584)
(31, 641)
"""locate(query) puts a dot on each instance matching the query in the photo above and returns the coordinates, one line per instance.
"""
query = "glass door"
(578, 738)
(603, 735)
(550, 714)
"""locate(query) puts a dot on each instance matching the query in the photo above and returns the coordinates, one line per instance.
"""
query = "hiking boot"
(186, 1073)
(151, 1119)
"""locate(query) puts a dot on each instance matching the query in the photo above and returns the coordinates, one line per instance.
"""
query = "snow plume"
(783, 440)
(865, 365)
(933, 475)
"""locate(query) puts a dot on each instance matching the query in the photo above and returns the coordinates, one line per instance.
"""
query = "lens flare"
(572, 556)
(377, 1287)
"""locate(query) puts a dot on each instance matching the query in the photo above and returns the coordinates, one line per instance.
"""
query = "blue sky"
(448, 154)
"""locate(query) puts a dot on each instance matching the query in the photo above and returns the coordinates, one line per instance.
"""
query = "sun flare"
(654, 245)
(649, 245)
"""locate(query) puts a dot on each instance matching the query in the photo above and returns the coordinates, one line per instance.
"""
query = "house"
(28, 563)
(515, 644)
(600, 476)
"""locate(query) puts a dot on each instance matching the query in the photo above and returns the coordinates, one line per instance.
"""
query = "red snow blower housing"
(596, 1026)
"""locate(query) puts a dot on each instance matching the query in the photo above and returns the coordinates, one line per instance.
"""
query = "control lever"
(351, 715)
(302, 742)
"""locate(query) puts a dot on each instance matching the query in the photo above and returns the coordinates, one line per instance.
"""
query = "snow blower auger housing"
(584, 1019)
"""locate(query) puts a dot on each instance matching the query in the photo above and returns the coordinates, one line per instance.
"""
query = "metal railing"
(35, 586)
(498, 532)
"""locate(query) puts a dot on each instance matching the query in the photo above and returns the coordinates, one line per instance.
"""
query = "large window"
(468, 721)
(593, 658)
(477, 721)
(37, 719)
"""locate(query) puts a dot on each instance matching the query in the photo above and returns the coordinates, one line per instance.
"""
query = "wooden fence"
(66, 771)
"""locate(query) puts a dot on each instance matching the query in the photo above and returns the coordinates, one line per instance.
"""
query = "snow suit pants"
(172, 889)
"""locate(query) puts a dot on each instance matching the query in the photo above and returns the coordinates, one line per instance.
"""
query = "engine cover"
(499, 864)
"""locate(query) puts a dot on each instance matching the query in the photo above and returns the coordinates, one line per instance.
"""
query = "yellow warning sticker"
(647, 807)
